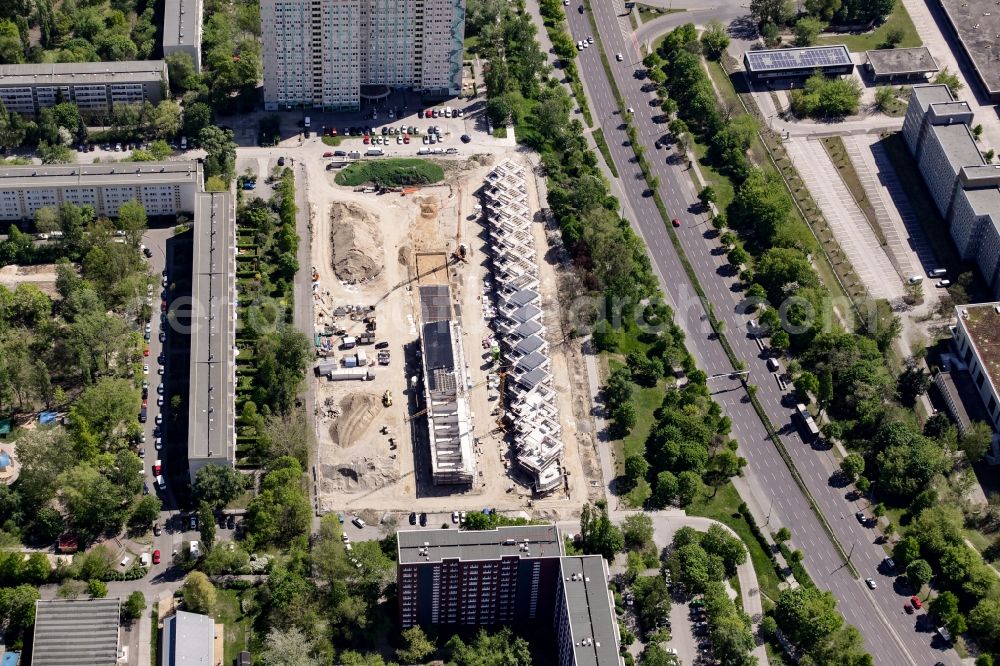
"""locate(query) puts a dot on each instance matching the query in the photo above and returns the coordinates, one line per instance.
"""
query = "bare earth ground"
(388, 244)
(42, 276)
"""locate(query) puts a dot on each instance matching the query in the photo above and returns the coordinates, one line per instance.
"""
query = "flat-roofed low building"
(891, 65)
(182, 26)
(95, 87)
(764, 64)
(163, 188)
(212, 387)
(76, 632)
(514, 576)
(188, 640)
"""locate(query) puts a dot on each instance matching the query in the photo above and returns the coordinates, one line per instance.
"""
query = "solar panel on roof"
(823, 56)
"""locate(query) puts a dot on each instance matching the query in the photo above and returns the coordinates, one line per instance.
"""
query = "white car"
(454, 514)
(590, 40)
(145, 368)
(579, 46)
(619, 57)
(870, 582)
(565, 3)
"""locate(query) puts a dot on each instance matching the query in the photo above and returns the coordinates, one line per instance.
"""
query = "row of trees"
(809, 619)
(840, 12)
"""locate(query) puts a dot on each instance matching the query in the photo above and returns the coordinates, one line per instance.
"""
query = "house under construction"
(449, 426)
(520, 329)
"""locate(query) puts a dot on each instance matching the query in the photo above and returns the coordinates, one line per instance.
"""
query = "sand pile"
(357, 411)
(356, 242)
(359, 475)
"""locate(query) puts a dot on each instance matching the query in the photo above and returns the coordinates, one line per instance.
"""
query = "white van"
(938, 272)
(916, 279)
(306, 122)
(195, 551)
(358, 523)
(160, 483)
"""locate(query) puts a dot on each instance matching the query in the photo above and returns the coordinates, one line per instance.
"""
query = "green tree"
(625, 418)
(719, 541)
(944, 606)
(145, 512)
(807, 29)
(600, 535)
(218, 485)
(134, 606)
(689, 486)
(652, 601)
(706, 195)
(17, 608)
(418, 646)
(714, 40)
(637, 530)
(11, 49)
(635, 469)
(976, 442)
(665, 490)
(919, 573)
(984, 620)
(946, 77)
(885, 98)
(97, 589)
(198, 593)
(289, 648)
(807, 615)
(783, 535)
(823, 9)
(206, 525)
(498, 648)
(94, 504)
(894, 35)
(197, 117)
(852, 466)
(771, 35)
(220, 147)
(774, 12)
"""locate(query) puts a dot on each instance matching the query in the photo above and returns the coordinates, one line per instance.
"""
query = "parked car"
(423, 519)
(156, 557)
(413, 518)
(156, 529)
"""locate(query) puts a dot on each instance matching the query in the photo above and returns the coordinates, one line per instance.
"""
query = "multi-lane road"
(890, 635)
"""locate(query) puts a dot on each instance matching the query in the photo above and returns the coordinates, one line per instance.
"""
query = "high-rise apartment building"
(320, 53)
(509, 576)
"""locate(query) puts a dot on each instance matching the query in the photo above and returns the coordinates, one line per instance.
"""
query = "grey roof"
(589, 608)
(78, 175)
(932, 93)
(977, 23)
(982, 175)
(438, 353)
(76, 632)
(527, 329)
(435, 303)
(527, 313)
(69, 73)
(211, 395)
(813, 57)
(543, 541)
(529, 344)
(522, 297)
(886, 62)
(530, 380)
(182, 23)
(985, 201)
(189, 640)
(532, 361)
(958, 144)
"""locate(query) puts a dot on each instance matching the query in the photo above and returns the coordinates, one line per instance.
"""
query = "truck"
(374, 152)
(809, 428)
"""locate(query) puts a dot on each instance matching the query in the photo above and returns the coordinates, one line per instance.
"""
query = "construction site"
(440, 379)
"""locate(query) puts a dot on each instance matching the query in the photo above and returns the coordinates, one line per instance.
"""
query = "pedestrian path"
(849, 225)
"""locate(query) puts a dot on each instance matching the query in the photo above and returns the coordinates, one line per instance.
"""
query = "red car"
(144, 402)
(145, 352)
(429, 113)
(156, 557)
(406, 138)
(367, 140)
(156, 470)
(915, 600)
(328, 154)
(333, 131)
(163, 306)
(676, 222)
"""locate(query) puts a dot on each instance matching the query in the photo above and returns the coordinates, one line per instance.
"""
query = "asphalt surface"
(890, 635)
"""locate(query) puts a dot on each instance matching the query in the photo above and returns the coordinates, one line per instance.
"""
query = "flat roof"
(977, 23)
(435, 303)
(68, 73)
(95, 175)
(182, 23)
(887, 62)
(543, 541)
(985, 201)
(588, 602)
(931, 93)
(189, 640)
(439, 356)
(982, 323)
(812, 57)
(958, 144)
(76, 632)
(212, 389)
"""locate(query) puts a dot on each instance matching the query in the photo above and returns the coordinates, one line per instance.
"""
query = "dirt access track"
(370, 251)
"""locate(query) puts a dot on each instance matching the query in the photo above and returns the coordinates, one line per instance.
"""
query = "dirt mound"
(357, 411)
(359, 475)
(356, 242)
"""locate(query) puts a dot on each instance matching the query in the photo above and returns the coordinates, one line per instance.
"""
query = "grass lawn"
(602, 146)
(648, 13)
(867, 41)
(471, 45)
(332, 140)
(391, 172)
(722, 506)
(500, 132)
(227, 612)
